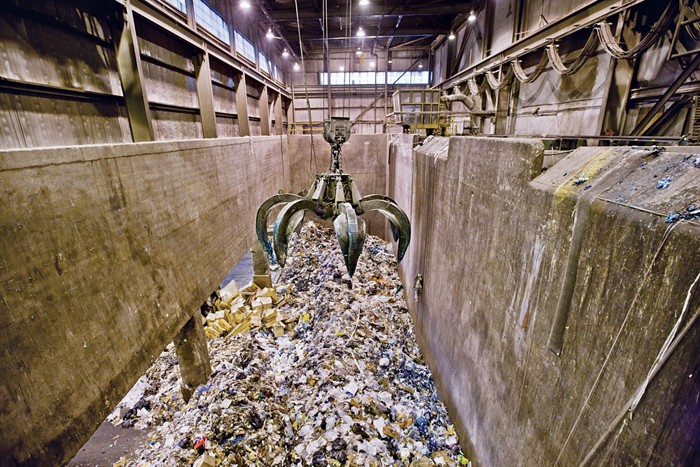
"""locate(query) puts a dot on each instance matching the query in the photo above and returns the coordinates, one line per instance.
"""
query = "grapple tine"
(294, 222)
(392, 219)
(261, 218)
(279, 235)
(396, 216)
(351, 235)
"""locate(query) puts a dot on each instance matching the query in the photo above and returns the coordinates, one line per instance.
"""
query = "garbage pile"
(320, 370)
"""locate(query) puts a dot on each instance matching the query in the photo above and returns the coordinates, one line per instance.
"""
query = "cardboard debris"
(310, 372)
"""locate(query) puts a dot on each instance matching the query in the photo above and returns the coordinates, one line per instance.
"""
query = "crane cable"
(313, 159)
(328, 55)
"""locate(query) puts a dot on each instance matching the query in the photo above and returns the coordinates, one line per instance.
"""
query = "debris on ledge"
(317, 371)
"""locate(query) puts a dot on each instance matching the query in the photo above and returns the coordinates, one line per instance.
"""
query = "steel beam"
(176, 27)
(378, 10)
(205, 94)
(584, 17)
(408, 32)
(130, 71)
(690, 69)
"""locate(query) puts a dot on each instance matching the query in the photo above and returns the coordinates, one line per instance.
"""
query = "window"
(410, 77)
(276, 73)
(370, 78)
(210, 20)
(244, 47)
(262, 63)
(179, 4)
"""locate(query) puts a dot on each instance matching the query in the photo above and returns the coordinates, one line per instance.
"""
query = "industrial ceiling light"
(420, 64)
(472, 17)
(364, 2)
(342, 68)
(245, 4)
(269, 34)
(372, 64)
(360, 32)
(358, 51)
(451, 36)
(285, 53)
(296, 67)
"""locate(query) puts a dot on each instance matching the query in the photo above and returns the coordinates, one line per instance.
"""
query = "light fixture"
(451, 36)
(358, 51)
(342, 68)
(245, 4)
(372, 64)
(296, 67)
(364, 2)
(472, 17)
(360, 32)
(269, 34)
(285, 53)
(390, 61)
(420, 64)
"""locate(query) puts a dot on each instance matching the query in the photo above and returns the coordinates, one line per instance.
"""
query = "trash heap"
(320, 371)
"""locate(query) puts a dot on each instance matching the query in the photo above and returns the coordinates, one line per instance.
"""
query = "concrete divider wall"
(106, 252)
(502, 248)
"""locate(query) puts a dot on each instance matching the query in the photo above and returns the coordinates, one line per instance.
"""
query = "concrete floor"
(107, 445)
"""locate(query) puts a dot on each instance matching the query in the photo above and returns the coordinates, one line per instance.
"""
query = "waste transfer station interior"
(350, 232)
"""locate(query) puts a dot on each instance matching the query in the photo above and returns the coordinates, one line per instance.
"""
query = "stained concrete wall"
(106, 252)
(492, 239)
(363, 156)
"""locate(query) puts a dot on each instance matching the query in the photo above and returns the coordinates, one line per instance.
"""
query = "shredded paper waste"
(316, 371)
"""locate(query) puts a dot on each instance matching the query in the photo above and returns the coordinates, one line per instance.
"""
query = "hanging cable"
(504, 81)
(312, 160)
(473, 87)
(574, 65)
(539, 69)
(609, 42)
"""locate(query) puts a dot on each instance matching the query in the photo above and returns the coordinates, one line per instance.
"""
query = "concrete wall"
(106, 252)
(493, 238)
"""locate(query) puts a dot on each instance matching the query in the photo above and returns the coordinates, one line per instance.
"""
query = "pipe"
(457, 95)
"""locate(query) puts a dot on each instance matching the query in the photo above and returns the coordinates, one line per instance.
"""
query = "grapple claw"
(351, 235)
(333, 195)
(281, 229)
(261, 217)
(396, 217)
(394, 229)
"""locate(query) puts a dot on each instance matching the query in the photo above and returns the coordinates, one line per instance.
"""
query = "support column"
(242, 106)
(131, 75)
(290, 114)
(189, 6)
(205, 92)
(279, 117)
(502, 106)
(264, 112)
(192, 355)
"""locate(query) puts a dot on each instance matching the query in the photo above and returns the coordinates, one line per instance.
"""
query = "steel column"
(205, 93)
(242, 106)
(131, 75)
(279, 118)
(264, 113)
